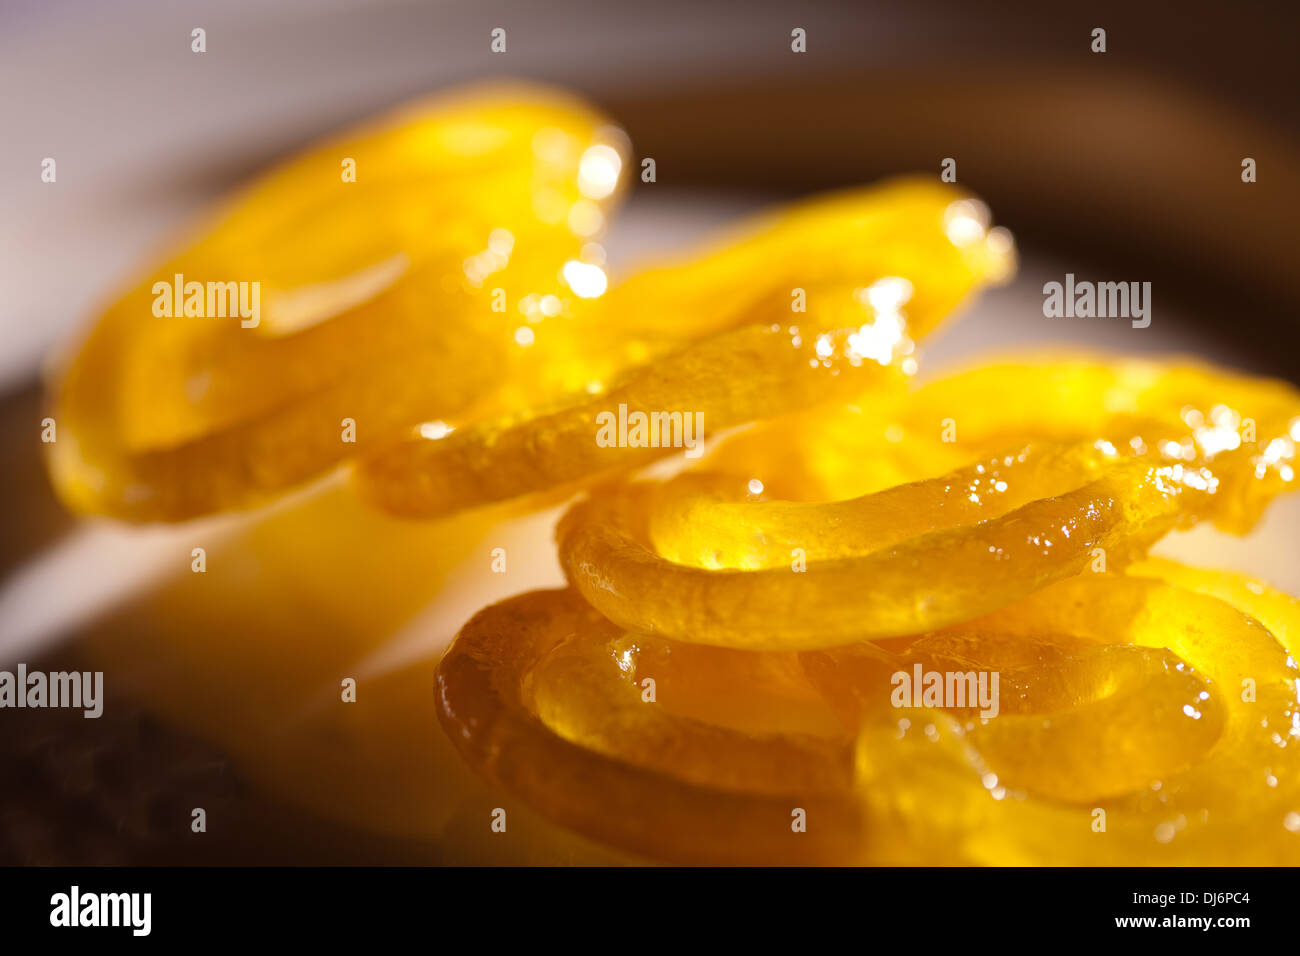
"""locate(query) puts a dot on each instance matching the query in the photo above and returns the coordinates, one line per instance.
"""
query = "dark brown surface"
(120, 790)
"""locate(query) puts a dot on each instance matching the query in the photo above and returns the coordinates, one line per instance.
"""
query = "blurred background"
(1124, 165)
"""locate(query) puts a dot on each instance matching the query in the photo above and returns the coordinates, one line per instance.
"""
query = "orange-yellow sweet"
(717, 682)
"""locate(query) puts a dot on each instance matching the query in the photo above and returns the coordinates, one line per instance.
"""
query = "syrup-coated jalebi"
(1155, 710)
(720, 681)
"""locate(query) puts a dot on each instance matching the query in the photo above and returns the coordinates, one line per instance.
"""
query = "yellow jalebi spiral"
(1169, 737)
(1123, 738)
(375, 260)
(872, 272)
(685, 562)
(543, 695)
(1178, 411)
(1123, 695)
